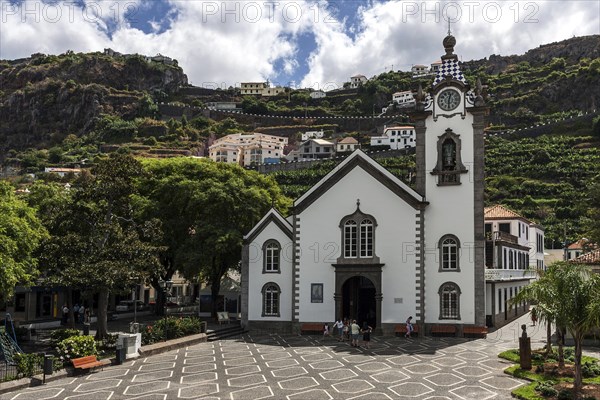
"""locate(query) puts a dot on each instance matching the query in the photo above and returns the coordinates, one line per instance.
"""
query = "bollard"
(120, 356)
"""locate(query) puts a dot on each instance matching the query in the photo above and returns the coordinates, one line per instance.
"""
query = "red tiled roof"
(593, 257)
(578, 244)
(500, 212)
(348, 140)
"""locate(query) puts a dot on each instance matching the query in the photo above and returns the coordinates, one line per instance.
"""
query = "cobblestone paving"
(303, 367)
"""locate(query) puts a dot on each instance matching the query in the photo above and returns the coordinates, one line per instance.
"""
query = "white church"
(362, 244)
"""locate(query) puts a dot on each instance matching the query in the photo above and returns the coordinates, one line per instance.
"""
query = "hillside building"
(248, 149)
(404, 99)
(346, 145)
(396, 137)
(260, 89)
(357, 80)
(362, 244)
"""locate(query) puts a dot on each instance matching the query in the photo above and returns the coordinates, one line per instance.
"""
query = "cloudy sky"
(300, 43)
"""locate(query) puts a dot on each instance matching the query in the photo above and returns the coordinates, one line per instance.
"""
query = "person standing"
(81, 315)
(366, 331)
(533, 315)
(355, 331)
(65, 315)
(346, 331)
(409, 327)
(339, 326)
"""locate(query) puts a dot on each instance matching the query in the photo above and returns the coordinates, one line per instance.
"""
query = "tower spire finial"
(449, 30)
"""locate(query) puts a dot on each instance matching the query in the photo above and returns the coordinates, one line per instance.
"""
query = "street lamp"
(166, 287)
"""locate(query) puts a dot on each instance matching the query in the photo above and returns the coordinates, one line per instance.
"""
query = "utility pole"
(565, 241)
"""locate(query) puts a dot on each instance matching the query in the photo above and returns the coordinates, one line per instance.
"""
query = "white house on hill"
(396, 137)
(364, 245)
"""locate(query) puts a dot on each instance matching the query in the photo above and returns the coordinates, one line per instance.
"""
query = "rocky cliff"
(44, 98)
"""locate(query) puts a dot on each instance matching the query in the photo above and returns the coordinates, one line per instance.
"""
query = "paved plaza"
(306, 367)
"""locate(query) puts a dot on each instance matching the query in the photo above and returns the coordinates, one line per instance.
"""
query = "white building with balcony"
(313, 135)
(396, 137)
(514, 251)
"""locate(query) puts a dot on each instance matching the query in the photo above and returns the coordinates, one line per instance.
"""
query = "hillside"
(43, 99)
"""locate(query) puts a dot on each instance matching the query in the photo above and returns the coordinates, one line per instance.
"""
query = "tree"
(593, 222)
(96, 245)
(574, 300)
(205, 209)
(20, 234)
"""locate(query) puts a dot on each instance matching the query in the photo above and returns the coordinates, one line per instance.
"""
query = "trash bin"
(86, 329)
(120, 356)
(48, 361)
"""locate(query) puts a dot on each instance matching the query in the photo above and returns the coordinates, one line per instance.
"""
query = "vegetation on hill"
(546, 179)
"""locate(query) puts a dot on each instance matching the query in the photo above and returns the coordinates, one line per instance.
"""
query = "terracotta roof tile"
(348, 140)
(593, 257)
(500, 212)
(578, 244)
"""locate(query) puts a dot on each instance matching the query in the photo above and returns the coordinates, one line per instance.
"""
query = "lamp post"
(166, 286)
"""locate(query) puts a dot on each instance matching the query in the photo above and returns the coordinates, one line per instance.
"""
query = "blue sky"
(306, 43)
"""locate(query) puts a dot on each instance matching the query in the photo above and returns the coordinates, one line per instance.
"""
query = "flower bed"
(176, 327)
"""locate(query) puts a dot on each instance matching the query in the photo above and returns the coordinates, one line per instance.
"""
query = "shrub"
(565, 394)
(546, 388)
(29, 364)
(59, 335)
(175, 327)
(590, 369)
(75, 347)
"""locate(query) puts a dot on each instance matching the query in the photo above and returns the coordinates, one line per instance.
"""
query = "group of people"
(349, 330)
(80, 313)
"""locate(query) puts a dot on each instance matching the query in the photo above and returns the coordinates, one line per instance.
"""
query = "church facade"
(363, 245)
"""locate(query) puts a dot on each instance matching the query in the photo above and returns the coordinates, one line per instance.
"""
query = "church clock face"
(448, 99)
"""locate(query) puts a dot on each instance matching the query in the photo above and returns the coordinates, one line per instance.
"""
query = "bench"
(223, 316)
(401, 330)
(311, 327)
(475, 331)
(443, 330)
(89, 362)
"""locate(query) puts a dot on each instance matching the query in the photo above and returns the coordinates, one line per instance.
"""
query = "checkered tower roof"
(452, 68)
(450, 65)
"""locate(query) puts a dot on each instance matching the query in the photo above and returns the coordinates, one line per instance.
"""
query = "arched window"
(271, 256)
(350, 239)
(449, 165)
(271, 294)
(449, 301)
(358, 238)
(449, 253)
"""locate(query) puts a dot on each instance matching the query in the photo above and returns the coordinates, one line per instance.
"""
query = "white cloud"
(226, 42)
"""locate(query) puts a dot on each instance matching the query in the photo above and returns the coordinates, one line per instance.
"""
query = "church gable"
(272, 217)
(360, 160)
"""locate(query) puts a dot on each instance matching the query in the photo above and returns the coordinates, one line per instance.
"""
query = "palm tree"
(569, 294)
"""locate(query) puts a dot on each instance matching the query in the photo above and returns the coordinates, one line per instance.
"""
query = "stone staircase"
(229, 330)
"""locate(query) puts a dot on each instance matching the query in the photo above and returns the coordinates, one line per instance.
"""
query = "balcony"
(508, 274)
(504, 237)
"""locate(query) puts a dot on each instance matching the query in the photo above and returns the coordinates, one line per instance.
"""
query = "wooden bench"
(89, 362)
(443, 330)
(401, 330)
(311, 327)
(223, 316)
(476, 331)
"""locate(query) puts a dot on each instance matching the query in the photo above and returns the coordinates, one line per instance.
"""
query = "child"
(325, 330)
(409, 327)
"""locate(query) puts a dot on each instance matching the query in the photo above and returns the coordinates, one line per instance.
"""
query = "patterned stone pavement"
(304, 367)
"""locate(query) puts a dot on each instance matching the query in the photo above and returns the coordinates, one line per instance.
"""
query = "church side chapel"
(361, 244)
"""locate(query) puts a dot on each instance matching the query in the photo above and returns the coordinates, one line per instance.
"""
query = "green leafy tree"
(205, 209)
(96, 245)
(571, 293)
(20, 234)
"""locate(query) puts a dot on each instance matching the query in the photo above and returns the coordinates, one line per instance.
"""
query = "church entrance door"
(358, 300)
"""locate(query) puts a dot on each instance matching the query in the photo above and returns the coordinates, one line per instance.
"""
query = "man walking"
(355, 331)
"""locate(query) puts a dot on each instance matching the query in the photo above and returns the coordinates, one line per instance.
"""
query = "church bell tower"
(449, 123)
